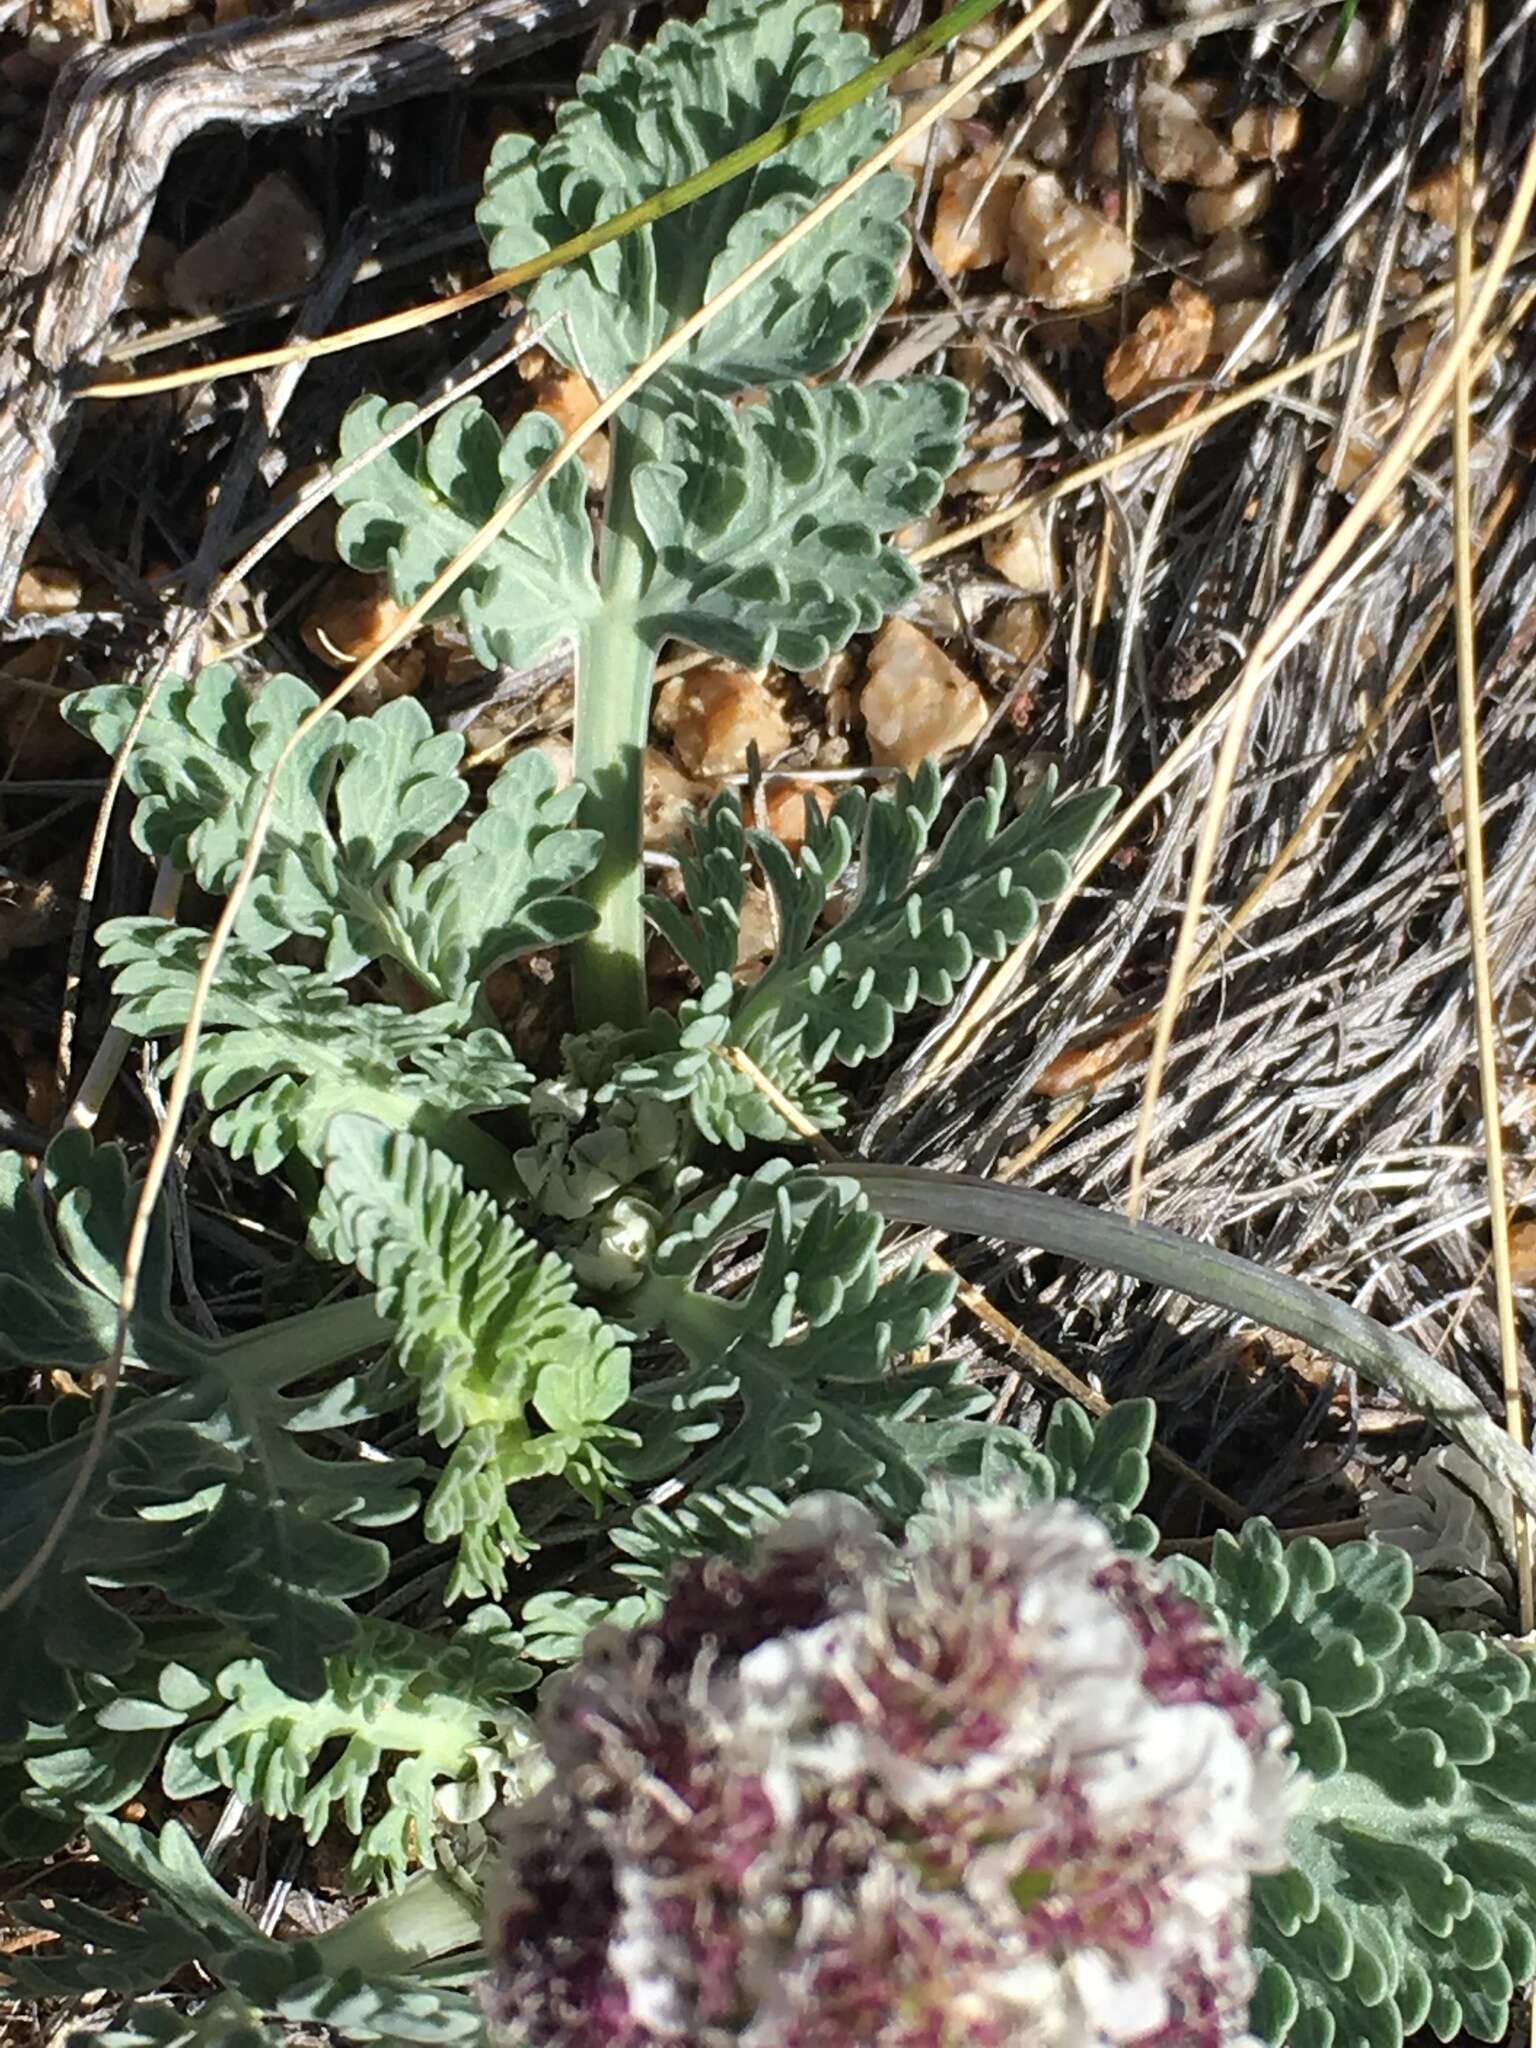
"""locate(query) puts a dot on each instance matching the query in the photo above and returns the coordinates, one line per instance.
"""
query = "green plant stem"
(700, 1325)
(430, 1915)
(486, 1161)
(613, 699)
(614, 667)
(614, 671)
(308, 1342)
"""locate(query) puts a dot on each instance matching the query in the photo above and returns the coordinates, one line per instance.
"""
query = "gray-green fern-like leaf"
(643, 120)
(357, 803)
(203, 1491)
(201, 761)
(794, 1376)
(201, 764)
(227, 2021)
(61, 1247)
(138, 1956)
(553, 1625)
(418, 504)
(408, 1733)
(503, 890)
(284, 1049)
(187, 1919)
(1411, 1899)
(913, 931)
(354, 2004)
(1101, 1463)
(704, 930)
(412, 1732)
(725, 1522)
(510, 1371)
(103, 1749)
(818, 1261)
(765, 524)
(205, 1494)
(911, 934)
(767, 521)
(687, 1061)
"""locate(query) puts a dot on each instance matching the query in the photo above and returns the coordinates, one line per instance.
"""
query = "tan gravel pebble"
(1261, 134)
(917, 704)
(274, 243)
(351, 614)
(1171, 341)
(570, 402)
(46, 587)
(956, 246)
(715, 714)
(1020, 630)
(669, 795)
(1345, 78)
(1235, 266)
(1061, 253)
(1435, 196)
(781, 809)
(1235, 206)
(989, 476)
(1178, 144)
(1232, 322)
(1021, 555)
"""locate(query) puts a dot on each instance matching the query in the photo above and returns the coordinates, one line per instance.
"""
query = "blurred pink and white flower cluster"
(999, 1787)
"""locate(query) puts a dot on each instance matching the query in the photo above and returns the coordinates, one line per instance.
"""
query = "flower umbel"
(999, 1788)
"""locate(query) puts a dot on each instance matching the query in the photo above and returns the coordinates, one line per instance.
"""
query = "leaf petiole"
(615, 668)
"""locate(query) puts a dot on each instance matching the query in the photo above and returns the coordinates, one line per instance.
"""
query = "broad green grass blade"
(971, 1206)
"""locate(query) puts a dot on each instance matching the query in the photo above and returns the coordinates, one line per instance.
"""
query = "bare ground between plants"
(1322, 1111)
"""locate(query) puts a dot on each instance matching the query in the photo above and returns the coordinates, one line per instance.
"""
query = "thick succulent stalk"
(430, 1915)
(614, 672)
(320, 1337)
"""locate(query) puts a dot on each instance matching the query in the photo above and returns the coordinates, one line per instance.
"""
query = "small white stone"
(1063, 254)
(916, 703)
(1235, 206)
(1021, 554)
(1178, 144)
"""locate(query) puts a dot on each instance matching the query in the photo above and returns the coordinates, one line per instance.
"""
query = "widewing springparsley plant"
(747, 512)
(1003, 1757)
